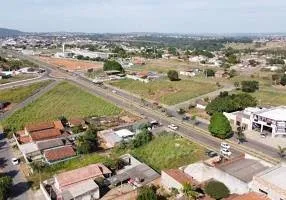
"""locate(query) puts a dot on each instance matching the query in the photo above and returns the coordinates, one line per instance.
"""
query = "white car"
(224, 145)
(114, 91)
(173, 127)
(225, 152)
(15, 161)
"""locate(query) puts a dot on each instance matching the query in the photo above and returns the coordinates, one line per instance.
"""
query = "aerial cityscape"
(143, 100)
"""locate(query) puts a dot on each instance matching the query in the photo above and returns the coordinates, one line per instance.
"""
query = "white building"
(271, 182)
(91, 54)
(264, 120)
(190, 73)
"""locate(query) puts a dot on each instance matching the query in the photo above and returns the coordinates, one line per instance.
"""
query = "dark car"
(211, 154)
(186, 118)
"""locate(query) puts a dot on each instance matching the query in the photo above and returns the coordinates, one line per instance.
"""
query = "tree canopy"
(147, 193)
(112, 65)
(217, 190)
(5, 185)
(230, 103)
(209, 72)
(173, 75)
(220, 126)
(249, 86)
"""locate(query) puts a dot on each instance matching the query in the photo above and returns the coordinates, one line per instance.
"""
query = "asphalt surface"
(20, 189)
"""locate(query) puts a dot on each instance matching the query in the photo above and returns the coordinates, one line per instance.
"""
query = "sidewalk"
(273, 142)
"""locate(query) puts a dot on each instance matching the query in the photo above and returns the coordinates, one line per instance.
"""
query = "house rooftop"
(248, 196)
(59, 153)
(39, 126)
(79, 189)
(81, 174)
(180, 176)
(45, 134)
(124, 133)
(243, 169)
(48, 144)
(275, 176)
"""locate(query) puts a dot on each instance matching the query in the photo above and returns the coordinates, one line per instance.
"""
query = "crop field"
(72, 65)
(165, 91)
(63, 100)
(18, 94)
(167, 152)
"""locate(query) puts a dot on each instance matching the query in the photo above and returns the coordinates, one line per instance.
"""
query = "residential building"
(76, 184)
(111, 137)
(189, 72)
(248, 196)
(235, 173)
(221, 74)
(176, 178)
(59, 154)
(40, 131)
(271, 182)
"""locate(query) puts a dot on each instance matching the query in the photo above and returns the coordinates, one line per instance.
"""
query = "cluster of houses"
(24, 70)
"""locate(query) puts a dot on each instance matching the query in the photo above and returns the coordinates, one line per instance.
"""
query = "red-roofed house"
(40, 131)
(175, 178)
(76, 184)
(248, 196)
(59, 154)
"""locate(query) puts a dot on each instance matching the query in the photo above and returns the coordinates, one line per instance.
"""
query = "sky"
(165, 16)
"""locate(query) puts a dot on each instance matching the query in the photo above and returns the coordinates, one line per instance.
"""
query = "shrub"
(217, 190)
(209, 72)
(112, 65)
(249, 86)
(220, 126)
(173, 75)
(147, 193)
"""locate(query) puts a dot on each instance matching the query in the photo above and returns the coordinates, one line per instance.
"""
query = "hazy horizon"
(137, 16)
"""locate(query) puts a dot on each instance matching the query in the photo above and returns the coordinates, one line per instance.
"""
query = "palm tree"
(281, 151)
(190, 191)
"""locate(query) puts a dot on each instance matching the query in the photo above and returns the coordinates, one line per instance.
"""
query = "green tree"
(232, 73)
(190, 191)
(249, 86)
(216, 190)
(209, 72)
(146, 193)
(281, 151)
(142, 138)
(5, 186)
(236, 84)
(283, 80)
(173, 75)
(276, 78)
(112, 65)
(83, 146)
(220, 126)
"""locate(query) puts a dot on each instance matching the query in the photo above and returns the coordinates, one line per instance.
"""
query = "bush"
(5, 186)
(249, 86)
(217, 190)
(283, 80)
(173, 75)
(147, 193)
(209, 72)
(220, 126)
(112, 65)
(141, 138)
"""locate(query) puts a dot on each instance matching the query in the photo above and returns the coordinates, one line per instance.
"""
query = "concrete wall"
(168, 182)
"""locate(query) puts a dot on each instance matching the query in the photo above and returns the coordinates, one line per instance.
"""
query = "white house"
(190, 73)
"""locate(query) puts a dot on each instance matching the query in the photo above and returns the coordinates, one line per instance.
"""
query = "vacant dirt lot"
(72, 65)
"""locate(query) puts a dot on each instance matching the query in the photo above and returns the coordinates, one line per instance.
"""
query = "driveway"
(20, 189)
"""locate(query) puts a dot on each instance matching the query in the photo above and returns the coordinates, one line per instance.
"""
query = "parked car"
(211, 154)
(186, 118)
(15, 161)
(224, 145)
(225, 152)
(114, 91)
(173, 127)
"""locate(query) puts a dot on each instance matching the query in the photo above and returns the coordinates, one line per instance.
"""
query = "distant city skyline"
(164, 16)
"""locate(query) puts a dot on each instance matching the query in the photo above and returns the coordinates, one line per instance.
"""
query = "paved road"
(20, 188)
(28, 100)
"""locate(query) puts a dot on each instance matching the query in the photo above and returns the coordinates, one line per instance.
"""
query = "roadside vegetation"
(165, 91)
(18, 94)
(165, 152)
(63, 100)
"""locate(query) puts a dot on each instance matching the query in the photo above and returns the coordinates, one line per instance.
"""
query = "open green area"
(18, 94)
(165, 91)
(166, 152)
(64, 100)
(273, 97)
(82, 161)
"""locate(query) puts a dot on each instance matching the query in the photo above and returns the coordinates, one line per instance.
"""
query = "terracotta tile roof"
(180, 176)
(45, 134)
(78, 175)
(248, 196)
(76, 122)
(59, 153)
(39, 126)
(24, 139)
(58, 125)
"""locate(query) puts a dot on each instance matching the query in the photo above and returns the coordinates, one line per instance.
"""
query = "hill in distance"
(4, 32)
